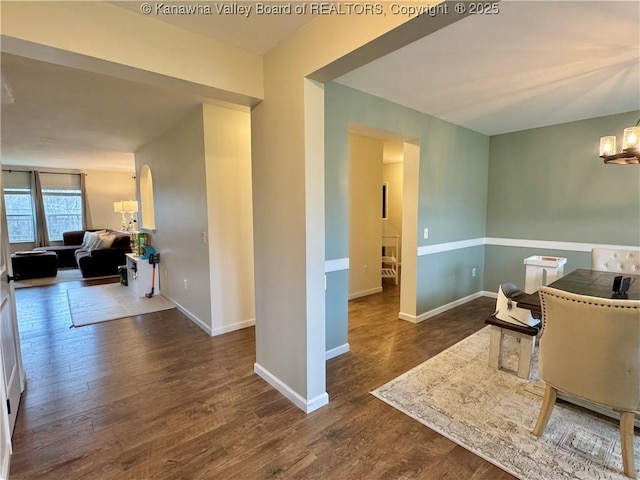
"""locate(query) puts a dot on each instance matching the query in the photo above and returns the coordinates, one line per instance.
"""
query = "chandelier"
(630, 154)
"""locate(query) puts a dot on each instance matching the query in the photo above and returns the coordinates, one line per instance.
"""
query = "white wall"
(227, 139)
(287, 135)
(201, 172)
(365, 215)
(177, 162)
(104, 188)
(80, 35)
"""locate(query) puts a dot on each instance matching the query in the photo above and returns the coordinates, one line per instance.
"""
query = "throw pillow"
(90, 238)
(95, 242)
(86, 240)
(106, 240)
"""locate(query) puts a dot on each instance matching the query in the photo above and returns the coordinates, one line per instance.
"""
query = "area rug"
(491, 413)
(112, 301)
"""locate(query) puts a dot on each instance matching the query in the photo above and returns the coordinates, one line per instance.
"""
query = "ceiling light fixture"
(630, 154)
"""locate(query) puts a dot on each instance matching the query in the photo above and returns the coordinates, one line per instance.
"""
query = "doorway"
(383, 202)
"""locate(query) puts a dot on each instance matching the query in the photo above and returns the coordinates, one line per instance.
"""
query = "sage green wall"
(448, 276)
(453, 182)
(549, 184)
(336, 297)
(506, 264)
(452, 198)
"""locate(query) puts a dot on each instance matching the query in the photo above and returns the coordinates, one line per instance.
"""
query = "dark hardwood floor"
(154, 397)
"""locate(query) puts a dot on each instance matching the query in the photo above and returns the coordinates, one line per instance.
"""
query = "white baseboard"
(303, 404)
(194, 318)
(334, 352)
(486, 293)
(364, 293)
(216, 331)
(439, 310)
(408, 317)
(233, 327)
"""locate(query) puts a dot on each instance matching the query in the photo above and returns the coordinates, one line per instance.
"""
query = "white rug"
(490, 413)
(101, 303)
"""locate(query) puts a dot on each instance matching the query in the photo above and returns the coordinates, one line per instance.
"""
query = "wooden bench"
(525, 334)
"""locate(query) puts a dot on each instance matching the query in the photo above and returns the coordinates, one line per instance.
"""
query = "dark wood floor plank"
(154, 397)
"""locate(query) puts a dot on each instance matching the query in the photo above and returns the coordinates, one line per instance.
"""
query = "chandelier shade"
(630, 154)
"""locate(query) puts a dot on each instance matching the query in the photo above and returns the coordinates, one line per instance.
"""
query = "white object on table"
(537, 266)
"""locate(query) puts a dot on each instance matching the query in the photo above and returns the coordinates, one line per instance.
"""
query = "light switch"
(426, 233)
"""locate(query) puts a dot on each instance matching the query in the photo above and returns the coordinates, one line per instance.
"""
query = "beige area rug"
(64, 275)
(490, 413)
(101, 303)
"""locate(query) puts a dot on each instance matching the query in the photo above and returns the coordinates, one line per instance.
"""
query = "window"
(63, 209)
(19, 210)
(19, 207)
(62, 200)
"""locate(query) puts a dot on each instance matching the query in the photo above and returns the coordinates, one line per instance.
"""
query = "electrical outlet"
(203, 238)
(186, 286)
(473, 272)
(426, 233)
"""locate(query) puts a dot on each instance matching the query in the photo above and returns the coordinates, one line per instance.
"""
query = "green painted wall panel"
(452, 190)
(539, 184)
(336, 178)
(506, 264)
(336, 296)
(453, 184)
(446, 277)
(549, 184)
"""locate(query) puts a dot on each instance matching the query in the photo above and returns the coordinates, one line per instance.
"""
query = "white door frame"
(12, 387)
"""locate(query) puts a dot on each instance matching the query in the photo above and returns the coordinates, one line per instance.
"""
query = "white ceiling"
(74, 119)
(534, 64)
(255, 33)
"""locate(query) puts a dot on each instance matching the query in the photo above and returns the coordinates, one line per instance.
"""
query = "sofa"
(71, 241)
(102, 252)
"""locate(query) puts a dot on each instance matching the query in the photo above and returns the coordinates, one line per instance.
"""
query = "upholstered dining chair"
(589, 347)
(616, 260)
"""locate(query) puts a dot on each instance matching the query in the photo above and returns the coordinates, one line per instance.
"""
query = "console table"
(139, 275)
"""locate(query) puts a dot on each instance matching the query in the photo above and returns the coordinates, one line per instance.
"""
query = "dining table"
(593, 283)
